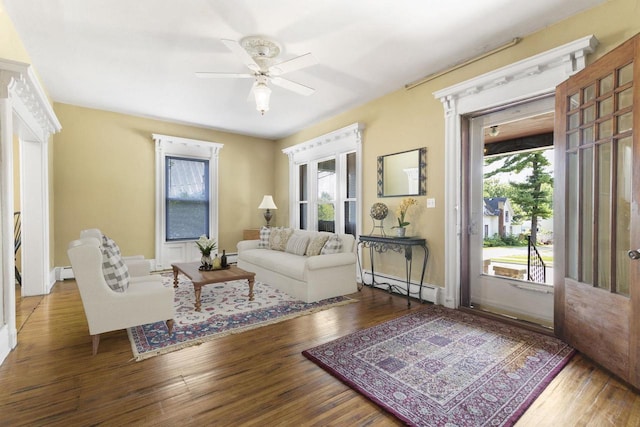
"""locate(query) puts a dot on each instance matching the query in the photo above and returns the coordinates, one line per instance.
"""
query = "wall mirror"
(403, 174)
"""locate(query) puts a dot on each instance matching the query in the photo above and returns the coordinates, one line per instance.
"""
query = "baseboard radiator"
(397, 285)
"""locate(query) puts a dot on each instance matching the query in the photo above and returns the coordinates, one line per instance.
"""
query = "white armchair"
(137, 265)
(144, 301)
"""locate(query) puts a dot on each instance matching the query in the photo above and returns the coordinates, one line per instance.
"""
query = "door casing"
(526, 79)
(524, 300)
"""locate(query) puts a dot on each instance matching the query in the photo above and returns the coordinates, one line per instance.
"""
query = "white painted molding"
(329, 142)
(25, 113)
(565, 60)
(18, 81)
(526, 79)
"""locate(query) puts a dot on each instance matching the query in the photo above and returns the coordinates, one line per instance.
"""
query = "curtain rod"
(513, 42)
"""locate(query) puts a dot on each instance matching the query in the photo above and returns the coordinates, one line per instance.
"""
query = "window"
(325, 179)
(187, 198)
(303, 201)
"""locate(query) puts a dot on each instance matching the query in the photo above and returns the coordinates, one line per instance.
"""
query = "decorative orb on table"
(379, 212)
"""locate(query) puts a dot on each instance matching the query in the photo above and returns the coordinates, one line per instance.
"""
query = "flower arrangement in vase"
(401, 213)
(206, 245)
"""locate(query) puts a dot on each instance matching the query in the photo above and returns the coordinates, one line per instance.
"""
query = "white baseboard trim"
(8, 341)
(63, 273)
(430, 293)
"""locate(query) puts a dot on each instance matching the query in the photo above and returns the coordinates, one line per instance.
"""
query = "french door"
(597, 283)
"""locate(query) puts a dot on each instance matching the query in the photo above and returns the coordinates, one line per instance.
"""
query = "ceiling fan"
(258, 54)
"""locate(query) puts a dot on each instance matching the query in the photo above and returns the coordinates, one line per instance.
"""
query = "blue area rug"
(226, 309)
(443, 367)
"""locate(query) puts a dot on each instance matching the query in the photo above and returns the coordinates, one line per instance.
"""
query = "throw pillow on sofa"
(265, 233)
(333, 246)
(316, 244)
(279, 238)
(110, 243)
(115, 271)
(297, 244)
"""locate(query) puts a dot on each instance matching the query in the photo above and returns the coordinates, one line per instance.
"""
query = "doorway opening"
(517, 223)
(509, 212)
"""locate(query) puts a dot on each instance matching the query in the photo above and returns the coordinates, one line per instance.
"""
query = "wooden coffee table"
(201, 278)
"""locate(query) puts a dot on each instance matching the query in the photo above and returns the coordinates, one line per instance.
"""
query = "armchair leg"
(170, 323)
(96, 341)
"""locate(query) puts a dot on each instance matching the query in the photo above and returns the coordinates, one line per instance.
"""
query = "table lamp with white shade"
(268, 204)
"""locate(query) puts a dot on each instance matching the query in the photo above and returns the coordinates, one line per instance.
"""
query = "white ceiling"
(139, 56)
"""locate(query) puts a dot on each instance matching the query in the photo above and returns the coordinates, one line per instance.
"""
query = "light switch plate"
(431, 203)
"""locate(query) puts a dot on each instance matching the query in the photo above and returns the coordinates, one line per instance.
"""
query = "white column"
(8, 332)
(35, 217)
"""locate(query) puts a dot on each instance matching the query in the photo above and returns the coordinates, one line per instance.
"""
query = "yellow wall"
(104, 168)
(11, 46)
(408, 119)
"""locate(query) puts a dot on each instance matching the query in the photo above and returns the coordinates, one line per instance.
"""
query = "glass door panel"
(604, 217)
(623, 214)
(303, 199)
(326, 180)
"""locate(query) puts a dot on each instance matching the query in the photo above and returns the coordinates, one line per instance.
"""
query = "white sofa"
(306, 278)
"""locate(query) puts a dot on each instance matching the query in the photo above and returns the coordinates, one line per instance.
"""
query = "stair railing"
(536, 268)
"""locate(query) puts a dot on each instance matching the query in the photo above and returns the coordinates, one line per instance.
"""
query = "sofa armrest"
(138, 267)
(244, 245)
(317, 262)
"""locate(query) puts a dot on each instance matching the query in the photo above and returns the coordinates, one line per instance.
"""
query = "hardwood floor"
(255, 378)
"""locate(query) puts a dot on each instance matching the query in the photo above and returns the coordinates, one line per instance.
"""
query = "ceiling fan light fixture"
(262, 93)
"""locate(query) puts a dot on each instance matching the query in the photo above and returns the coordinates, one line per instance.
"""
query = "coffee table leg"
(250, 289)
(175, 277)
(198, 291)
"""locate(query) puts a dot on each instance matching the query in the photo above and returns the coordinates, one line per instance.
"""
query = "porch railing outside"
(536, 268)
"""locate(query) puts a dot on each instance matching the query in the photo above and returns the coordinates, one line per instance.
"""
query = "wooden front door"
(597, 223)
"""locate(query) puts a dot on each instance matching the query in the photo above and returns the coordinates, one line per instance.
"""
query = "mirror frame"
(422, 167)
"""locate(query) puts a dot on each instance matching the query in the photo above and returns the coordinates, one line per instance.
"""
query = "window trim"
(172, 146)
(336, 144)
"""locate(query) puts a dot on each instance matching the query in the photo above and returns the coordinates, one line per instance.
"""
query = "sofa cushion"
(110, 243)
(265, 232)
(115, 271)
(284, 263)
(297, 244)
(279, 238)
(316, 244)
(332, 246)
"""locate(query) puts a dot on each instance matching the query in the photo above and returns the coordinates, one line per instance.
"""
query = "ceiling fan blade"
(247, 60)
(208, 75)
(297, 63)
(292, 86)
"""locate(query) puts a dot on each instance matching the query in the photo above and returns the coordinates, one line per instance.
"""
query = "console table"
(383, 244)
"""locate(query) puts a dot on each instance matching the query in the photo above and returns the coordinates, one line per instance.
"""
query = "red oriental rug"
(443, 367)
